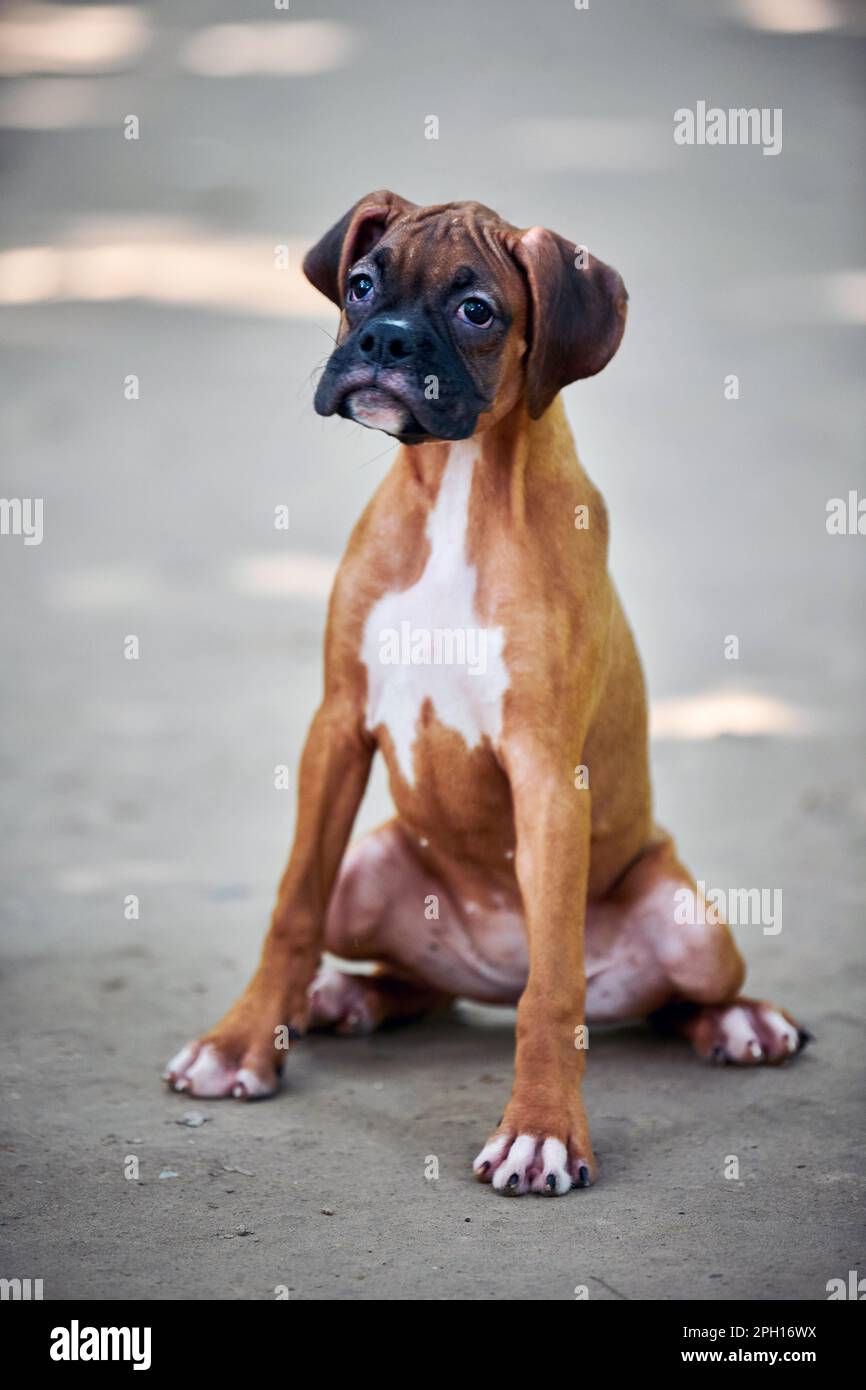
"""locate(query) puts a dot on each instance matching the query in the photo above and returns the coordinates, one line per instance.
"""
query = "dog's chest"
(424, 647)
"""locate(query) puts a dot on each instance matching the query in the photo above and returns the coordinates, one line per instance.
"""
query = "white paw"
(200, 1069)
(523, 1164)
(783, 1037)
(747, 1033)
(341, 1002)
(740, 1037)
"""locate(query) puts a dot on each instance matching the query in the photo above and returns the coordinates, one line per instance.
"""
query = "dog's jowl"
(476, 641)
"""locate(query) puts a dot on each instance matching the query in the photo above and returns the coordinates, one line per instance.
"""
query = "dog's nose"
(387, 342)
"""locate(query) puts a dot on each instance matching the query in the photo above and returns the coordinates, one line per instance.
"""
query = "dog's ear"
(327, 263)
(577, 313)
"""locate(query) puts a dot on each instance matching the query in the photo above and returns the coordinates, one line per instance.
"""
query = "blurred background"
(164, 167)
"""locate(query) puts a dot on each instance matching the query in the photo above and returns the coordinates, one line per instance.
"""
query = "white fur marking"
(520, 1155)
(247, 1082)
(208, 1075)
(492, 1151)
(442, 599)
(554, 1159)
(180, 1061)
(739, 1033)
(782, 1030)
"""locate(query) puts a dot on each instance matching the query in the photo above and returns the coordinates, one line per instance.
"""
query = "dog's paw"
(747, 1032)
(344, 1004)
(516, 1164)
(211, 1070)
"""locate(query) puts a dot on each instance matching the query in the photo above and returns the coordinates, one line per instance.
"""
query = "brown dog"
(475, 638)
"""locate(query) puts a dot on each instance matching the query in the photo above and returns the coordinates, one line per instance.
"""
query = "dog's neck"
(510, 457)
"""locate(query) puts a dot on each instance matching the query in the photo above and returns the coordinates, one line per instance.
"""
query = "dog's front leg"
(242, 1055)
(542, 1142)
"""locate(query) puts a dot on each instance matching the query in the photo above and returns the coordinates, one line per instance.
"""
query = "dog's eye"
(476, 312)
(360, 287)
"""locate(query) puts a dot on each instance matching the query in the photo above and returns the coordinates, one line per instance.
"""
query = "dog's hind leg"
(379, 879)
(351, 1004)
(744, 1031)
(692, 965)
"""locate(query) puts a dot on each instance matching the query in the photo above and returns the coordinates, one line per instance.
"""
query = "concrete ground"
(155, 777)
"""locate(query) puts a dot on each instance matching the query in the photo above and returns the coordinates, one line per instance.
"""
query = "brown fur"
(501, 827)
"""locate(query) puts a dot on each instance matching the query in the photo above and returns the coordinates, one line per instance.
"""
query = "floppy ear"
(578, 308)
(327, 263)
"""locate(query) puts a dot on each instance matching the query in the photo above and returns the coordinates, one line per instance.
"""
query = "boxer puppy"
(475, 639)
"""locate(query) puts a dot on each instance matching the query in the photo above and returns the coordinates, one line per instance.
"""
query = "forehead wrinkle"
(430, 241)
(463, 278)
(421, 255)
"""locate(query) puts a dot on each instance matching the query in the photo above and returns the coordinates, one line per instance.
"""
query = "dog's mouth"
(378, 402)
(388, 400)
(378, 408)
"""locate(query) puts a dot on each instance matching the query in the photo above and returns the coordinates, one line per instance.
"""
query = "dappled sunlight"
(57, 103)
(71, 38)
(193, 270)
(297, 575)
(790, 16)
(714, 713)
(295, 48)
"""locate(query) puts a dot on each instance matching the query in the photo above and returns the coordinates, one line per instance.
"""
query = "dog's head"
(449, 315)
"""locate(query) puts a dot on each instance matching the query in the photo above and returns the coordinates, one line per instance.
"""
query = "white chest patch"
(425, 643)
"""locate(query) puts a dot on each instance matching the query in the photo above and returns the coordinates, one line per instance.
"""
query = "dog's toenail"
(583, 1176)
(513, 1180)
(482, 1168)
(551, 1181)
(805, 1036)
